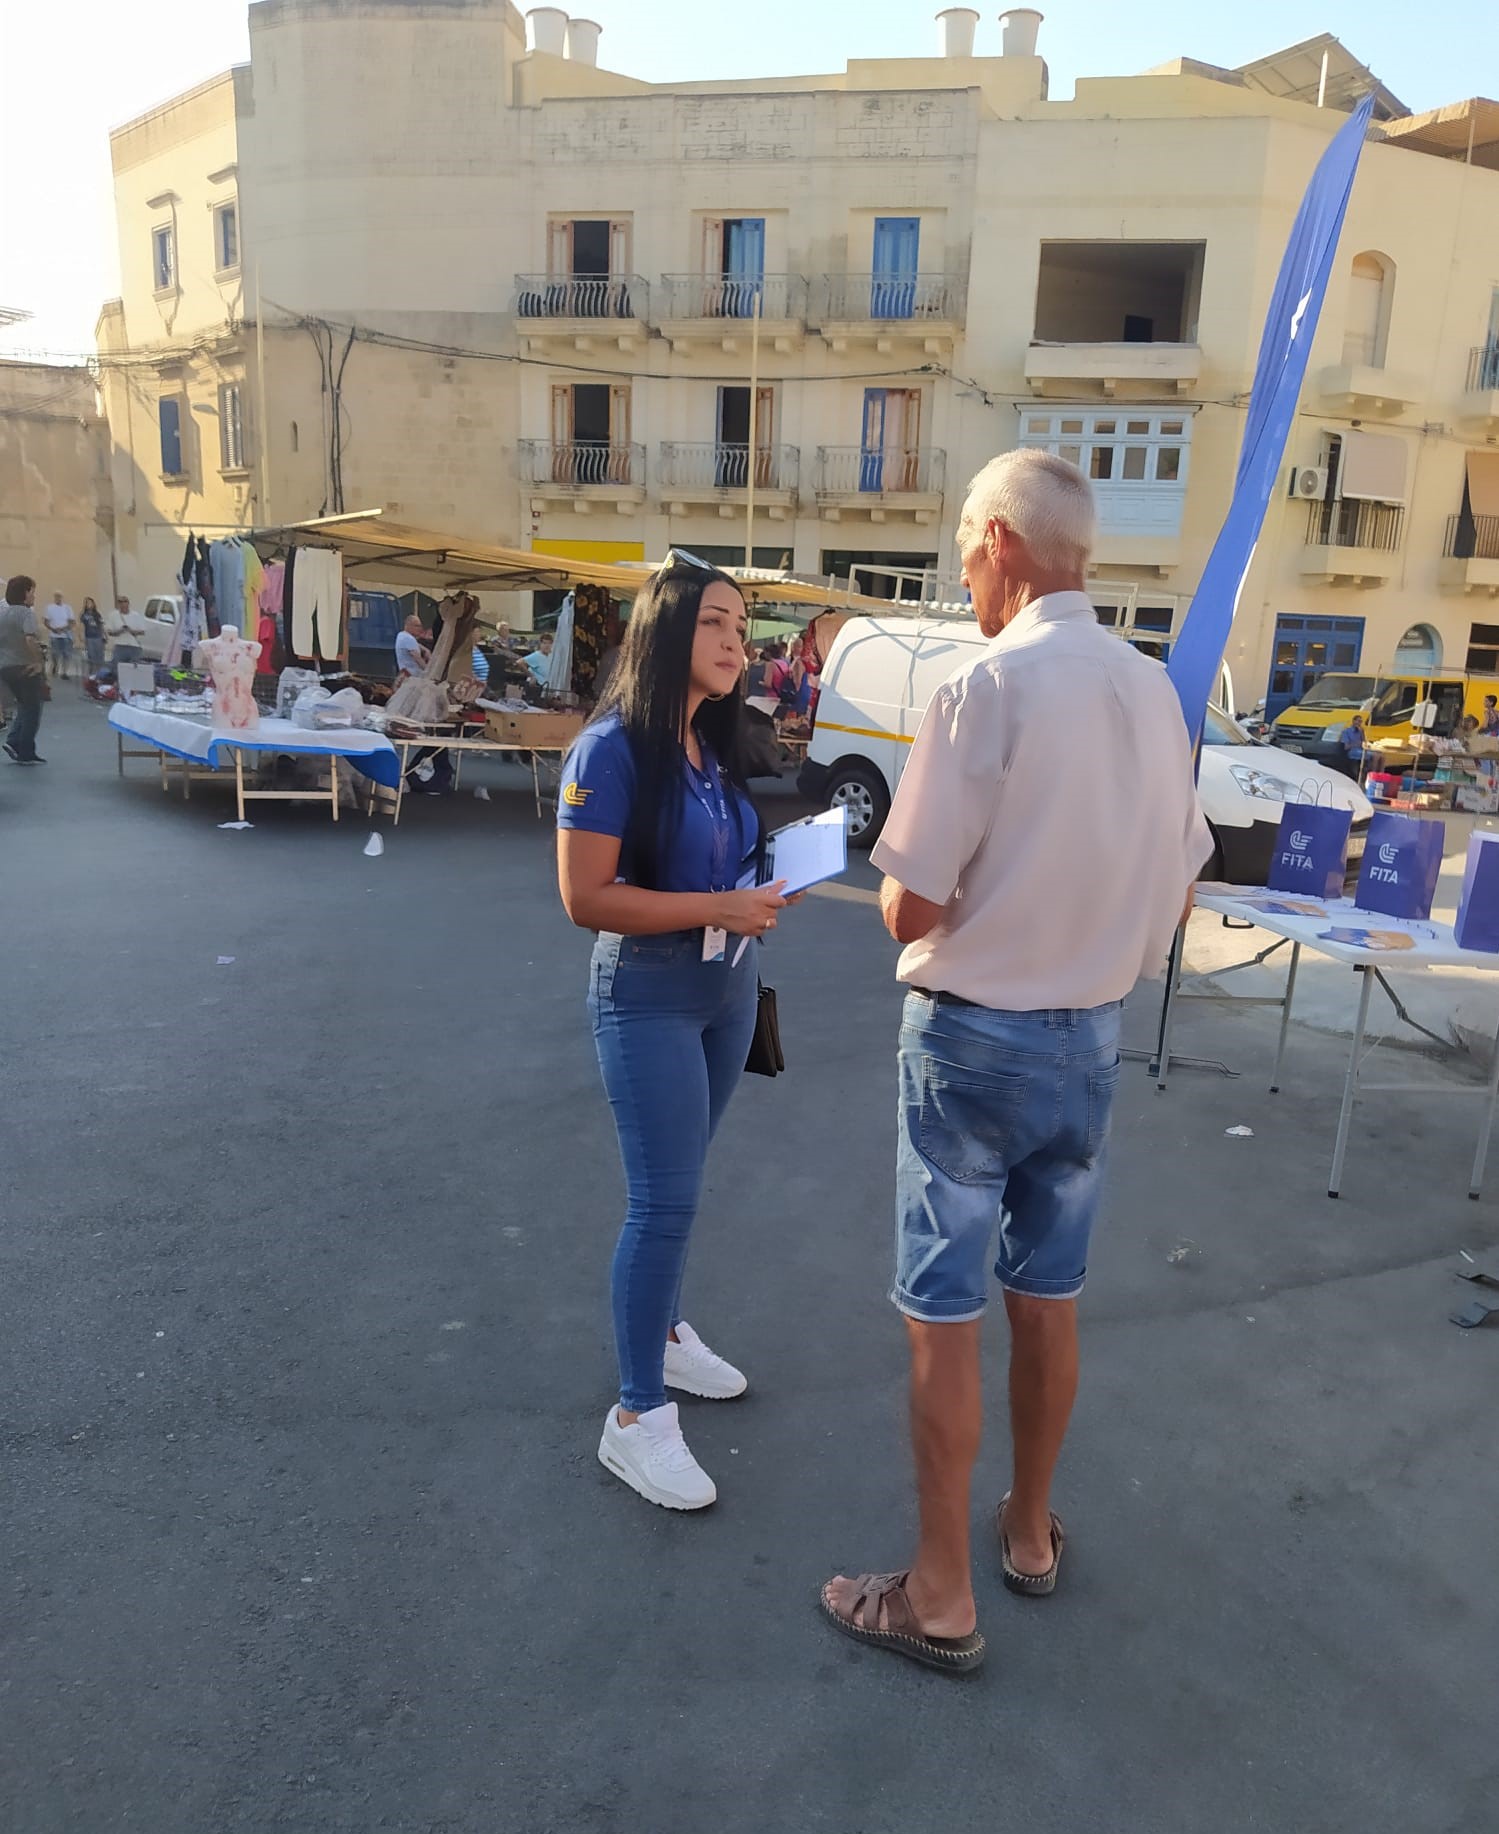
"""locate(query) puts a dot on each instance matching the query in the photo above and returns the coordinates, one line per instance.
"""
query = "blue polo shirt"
(598, 792)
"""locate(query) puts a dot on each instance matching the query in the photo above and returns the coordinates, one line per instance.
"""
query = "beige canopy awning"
(1372, 468)
(1483, 483)
(380, 553)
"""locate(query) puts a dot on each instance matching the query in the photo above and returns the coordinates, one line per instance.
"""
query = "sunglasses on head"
(679, 557)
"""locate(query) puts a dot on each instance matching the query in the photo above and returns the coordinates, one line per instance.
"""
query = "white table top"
(195, 737)
(1336, 927)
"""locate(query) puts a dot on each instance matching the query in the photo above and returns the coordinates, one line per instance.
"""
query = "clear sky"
(76, 68)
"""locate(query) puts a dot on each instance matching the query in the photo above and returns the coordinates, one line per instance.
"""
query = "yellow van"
(1314, 726)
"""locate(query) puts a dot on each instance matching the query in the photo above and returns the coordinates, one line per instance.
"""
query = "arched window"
(1419, 651)
(1366, 327)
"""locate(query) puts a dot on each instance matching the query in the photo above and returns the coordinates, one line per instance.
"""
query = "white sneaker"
(694, 1368)
(652, 1457)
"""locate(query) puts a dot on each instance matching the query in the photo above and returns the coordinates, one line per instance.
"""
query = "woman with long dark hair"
(658, 851)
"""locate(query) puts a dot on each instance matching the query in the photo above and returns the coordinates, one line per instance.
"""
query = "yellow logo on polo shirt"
(574, 795)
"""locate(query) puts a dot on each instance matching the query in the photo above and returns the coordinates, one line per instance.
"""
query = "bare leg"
(946, 1421)
(946, 1424)
(1043, 1386)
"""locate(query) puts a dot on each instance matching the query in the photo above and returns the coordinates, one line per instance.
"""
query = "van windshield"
(1340, 691)
(1394, 701)
(1219, 729)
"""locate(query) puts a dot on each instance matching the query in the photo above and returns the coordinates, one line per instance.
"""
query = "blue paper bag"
(1311, 850)
(1402, 859)
(1477, 924)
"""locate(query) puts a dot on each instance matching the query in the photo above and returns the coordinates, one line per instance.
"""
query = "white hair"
(1045, 500)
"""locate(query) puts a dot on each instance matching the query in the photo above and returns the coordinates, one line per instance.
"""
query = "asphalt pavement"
(307, 1196)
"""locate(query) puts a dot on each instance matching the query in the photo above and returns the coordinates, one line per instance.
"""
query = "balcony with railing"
(582, 311)
(703, 472)
(880, 483)
(1470, 554)
(1350, 542)
(583, 472)
(888, 309)
(1480, 404)
(719, 309)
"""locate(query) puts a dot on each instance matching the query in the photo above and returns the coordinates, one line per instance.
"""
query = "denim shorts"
(1003, 1125)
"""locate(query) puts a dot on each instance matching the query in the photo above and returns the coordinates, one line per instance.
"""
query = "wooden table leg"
(239, 781)
(333, 782)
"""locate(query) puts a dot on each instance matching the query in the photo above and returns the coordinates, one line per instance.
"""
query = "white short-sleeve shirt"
(1049, 807)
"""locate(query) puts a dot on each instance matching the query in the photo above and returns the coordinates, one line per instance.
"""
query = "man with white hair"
(1032, 881)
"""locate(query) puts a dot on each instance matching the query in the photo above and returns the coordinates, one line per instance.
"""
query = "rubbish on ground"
(224, 961)
(1183, 1252)
(1239, 1133)
(374, 847)
(1482, 1309)
(481, 794)
(237, 827)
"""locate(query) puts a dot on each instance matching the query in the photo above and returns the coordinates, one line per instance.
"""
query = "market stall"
(1428, 773)
(206, 750)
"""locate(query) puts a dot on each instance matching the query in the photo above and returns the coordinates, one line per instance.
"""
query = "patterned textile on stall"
(591, 611)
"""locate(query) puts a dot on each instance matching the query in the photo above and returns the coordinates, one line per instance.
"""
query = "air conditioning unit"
(1309, 482)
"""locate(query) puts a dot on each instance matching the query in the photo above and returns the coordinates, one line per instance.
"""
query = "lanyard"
(717, 811)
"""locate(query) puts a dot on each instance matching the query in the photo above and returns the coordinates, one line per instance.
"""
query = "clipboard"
(808, 851)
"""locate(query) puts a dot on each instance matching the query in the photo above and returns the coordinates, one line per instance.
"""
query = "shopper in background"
(1491, 716)
(1351, 744)
(22, 668)
(411, 655)
(658, 847)
(60, 625)
(128, 628)
(539, 662)
(92, 622)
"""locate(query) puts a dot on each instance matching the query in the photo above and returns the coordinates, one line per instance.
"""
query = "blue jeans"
(27, 690)
(672, 1033)
(1004, 1121)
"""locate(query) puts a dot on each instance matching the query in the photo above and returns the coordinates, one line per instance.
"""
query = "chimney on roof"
(548, 29)
(1021, 25)
(583, 41)
(956, 27)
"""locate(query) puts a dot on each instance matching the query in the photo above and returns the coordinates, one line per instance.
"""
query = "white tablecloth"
(370, 753)
(1336, 927)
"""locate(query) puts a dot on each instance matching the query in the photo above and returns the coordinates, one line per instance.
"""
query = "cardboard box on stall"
(536, 731)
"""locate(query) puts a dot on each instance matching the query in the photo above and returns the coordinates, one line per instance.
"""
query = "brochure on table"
(1340, 928)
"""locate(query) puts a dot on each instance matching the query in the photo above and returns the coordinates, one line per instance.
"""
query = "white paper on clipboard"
(806, 852)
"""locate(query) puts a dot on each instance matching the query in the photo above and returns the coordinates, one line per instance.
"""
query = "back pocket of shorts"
(967, 1123)
(1102, 1085)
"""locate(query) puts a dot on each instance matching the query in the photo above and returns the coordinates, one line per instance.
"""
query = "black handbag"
(765, 1058)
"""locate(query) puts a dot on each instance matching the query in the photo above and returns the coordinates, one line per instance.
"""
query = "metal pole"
(1285, 1017)
(1475, 1184)
(265, 425)
(1355, 1055)
(754, 390)
(1322, 82)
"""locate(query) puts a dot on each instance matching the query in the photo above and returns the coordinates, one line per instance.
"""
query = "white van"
(881, 673)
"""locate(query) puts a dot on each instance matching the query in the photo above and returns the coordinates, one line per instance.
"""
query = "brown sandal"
(957, 1655)
(1028, 1585)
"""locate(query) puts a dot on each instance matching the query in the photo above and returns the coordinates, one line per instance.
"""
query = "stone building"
(418, 255)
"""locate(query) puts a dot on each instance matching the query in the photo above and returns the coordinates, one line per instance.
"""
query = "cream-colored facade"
(500, 289)
(55, 520)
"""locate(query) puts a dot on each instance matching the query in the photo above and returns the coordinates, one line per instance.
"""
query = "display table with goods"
(1367, 943)
(186, 732)
(511, 730)
(1425, 773)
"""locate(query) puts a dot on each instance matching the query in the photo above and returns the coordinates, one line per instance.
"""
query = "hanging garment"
(226, 563)
(591, 608)
(273, 579)
(317, 591)
(254, 578)
(560, 674)
(203, 569)
(194, 618)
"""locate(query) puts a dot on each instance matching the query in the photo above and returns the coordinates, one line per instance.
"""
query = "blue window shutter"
(169, 417)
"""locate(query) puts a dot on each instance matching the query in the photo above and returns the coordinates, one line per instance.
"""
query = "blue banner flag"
(1197, 655)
